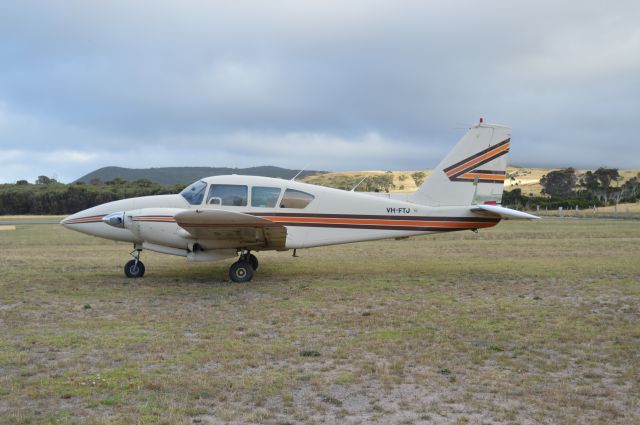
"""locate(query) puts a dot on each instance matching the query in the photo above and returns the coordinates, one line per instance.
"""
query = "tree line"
(47, 196)
(568, 188)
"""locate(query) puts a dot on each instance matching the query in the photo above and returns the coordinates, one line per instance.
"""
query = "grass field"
(525, 323)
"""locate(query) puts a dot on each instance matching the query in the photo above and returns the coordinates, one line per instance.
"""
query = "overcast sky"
(335, 85)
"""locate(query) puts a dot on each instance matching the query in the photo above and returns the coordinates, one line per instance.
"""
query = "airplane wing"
(232, 228)
(502, 212)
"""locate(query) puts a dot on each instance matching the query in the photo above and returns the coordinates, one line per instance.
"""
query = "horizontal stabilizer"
(502, 212)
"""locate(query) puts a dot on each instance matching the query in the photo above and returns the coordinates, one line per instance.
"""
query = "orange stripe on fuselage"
(443, 224)
(89, 219)
(478, 159)
(284, 220)
(164, 219)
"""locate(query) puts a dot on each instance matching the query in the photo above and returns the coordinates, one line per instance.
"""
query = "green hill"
(186, 175)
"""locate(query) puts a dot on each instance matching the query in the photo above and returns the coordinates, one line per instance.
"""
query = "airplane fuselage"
(333, 216)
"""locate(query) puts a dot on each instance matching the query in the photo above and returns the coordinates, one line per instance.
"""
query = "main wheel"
(131, 269)
(241, 271)
(254, 262)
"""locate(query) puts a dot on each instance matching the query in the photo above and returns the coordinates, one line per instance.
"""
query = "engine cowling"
(154, 225)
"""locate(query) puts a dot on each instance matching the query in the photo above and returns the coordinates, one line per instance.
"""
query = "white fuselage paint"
(333, 217)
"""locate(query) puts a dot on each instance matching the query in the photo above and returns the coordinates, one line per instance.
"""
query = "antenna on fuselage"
(299, 172)
(353, 189)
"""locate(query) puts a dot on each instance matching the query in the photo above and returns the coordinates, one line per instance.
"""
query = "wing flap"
(222, 229)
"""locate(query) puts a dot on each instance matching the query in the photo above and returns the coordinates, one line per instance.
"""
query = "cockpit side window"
(227, 195)
(296, 199)
(194, 194)
(264, 197)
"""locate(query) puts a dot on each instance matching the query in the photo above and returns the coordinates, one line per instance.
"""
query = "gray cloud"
(335, 85)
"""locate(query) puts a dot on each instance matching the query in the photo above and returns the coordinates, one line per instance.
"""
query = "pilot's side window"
(194, 194)
(265, 197)
(227, 195)
(296, 199)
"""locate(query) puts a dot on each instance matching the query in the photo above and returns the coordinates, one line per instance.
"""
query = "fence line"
(617, 211)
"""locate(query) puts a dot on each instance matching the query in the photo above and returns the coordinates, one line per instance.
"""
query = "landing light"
(115, 219)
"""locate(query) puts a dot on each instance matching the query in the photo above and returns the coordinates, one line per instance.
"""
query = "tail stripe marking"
(467, 169)
(490, 148)
(477, 160)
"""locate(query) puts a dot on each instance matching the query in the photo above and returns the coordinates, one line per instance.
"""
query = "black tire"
(241, 271)
(254, 262)
(133, 270)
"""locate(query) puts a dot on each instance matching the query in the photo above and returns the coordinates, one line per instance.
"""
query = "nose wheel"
(135, 267)
(243, 269)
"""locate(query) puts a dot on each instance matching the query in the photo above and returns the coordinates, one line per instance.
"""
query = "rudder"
(472, 173)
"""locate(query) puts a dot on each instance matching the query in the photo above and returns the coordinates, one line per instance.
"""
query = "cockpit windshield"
(194, 194)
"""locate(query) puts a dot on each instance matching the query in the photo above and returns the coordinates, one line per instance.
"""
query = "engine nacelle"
(155, 226)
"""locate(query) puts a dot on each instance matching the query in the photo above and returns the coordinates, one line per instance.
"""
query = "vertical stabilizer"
(472, 173)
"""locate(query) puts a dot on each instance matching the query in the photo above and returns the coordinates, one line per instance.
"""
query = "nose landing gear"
(243, 269)
(135, 267)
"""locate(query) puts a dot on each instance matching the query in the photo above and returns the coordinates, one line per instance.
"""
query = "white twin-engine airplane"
(226, 216)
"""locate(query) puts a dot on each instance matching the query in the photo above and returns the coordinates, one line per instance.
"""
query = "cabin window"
(227, 195)
(194, 194)
(296, 199)
(264, 197)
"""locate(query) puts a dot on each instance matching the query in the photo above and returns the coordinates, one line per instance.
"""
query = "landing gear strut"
(243, 269)
(254, 262)
(134, 268)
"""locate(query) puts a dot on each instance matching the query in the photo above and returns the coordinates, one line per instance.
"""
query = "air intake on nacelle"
(115, 219)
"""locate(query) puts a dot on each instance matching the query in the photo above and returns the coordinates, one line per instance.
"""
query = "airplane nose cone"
(82, 217)
(66, 222)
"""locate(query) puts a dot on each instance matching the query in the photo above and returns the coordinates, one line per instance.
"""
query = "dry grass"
(621, 208)
(402, 180)
(525, 178)
(525, 323)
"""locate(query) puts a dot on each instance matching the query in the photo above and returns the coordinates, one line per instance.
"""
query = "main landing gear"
(240, 271)
(134, 268)
(243, 269)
